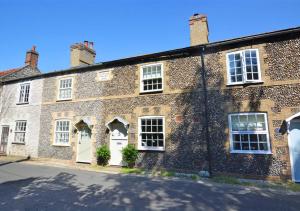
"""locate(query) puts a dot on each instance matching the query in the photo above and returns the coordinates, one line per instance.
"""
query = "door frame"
(78, 139)
(288, 120)
(7, 137)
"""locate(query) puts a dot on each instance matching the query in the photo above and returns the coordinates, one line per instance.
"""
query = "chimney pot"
(91, 45)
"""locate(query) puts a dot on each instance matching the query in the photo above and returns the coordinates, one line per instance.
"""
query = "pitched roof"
(165, 54)
(7, 72)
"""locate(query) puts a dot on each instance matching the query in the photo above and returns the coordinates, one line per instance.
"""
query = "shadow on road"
(66, 191)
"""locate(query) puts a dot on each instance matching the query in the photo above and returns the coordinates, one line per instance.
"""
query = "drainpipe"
(206, 122)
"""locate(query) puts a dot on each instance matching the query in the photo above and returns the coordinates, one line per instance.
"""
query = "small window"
(151, 136)
(152, 78)
(24, 93)
(249, 133)
(20, 132)
(62, 132)
(65, 89)
(243, 67)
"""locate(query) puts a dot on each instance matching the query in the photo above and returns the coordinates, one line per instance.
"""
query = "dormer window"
(152, 78)
(243, 67)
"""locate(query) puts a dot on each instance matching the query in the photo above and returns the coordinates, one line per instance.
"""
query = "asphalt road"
(31, 187)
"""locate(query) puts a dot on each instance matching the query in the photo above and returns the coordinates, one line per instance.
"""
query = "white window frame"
(20, 132)
(146, 148)
(59, 89)
(232, 150)
(70, 130)
(22, 100)
(243, 66)
(142, 80)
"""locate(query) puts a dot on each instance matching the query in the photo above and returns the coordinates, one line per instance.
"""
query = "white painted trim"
(251, 132)
(141, 78)
(140, 147)
(14, 131)
(293, 117)
(243, 66)
(70, 133)
(123, 121)
(18, 92)
(58, 88)
(288, 120)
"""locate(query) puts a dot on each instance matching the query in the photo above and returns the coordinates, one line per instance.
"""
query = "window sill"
(18, 143)
(158, 149)
(22, 103)
(151, 92)
(61, 145)
(245, 83)
(63, 100)
(251, 152)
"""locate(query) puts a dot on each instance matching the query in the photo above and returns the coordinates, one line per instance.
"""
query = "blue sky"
(123, 28)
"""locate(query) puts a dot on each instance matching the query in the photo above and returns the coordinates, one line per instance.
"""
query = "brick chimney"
(198, 29)
(32, 57)
(82, 54)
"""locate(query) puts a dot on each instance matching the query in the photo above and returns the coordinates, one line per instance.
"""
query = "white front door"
(294, 147)
(84, 150)
(118, 140)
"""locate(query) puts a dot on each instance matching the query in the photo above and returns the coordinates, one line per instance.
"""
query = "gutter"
(206, 121)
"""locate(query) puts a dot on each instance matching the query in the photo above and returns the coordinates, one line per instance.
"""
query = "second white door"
(118, 140)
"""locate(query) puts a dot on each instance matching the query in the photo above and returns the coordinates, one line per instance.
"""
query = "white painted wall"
(10, 112)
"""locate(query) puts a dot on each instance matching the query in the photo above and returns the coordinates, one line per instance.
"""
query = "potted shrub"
(103, 155)
(130, 154)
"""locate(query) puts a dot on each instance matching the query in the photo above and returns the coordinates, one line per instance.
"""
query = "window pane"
(231, 57)
(254, 146)
(236, 137)
(243, 122)
(245, 146)
(247, 54)
(253, 53)
(237, 56)
(237, 146)
(263, 146)
(238, 64)
(233, 79)
(262, 137)
(249, 76)
(244, 137)
(239, 71)
(235, 122)
(253, 138)
(239, 78)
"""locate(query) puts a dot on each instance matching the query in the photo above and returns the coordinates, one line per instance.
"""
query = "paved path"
(32, 187)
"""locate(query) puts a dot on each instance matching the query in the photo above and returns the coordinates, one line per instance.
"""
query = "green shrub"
(130, 154)
(103, 155)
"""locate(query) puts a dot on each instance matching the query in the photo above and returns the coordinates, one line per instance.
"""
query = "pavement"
(24, 186)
